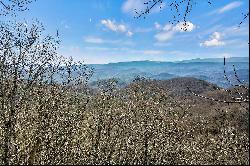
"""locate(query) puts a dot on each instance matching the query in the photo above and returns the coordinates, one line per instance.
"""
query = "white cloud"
(167, 27)
(184, 27)
(216, 35)
(129, 6)
(129, 33)
(115, 27)
(230, 6)
(111, 25)
(214, 41)
(168, 31)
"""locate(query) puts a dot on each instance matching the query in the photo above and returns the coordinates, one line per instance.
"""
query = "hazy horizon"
(163, 61)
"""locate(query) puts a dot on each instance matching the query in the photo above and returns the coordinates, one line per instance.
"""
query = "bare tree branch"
(240, 99)
(12, 6)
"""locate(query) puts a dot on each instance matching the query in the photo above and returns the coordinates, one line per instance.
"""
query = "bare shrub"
(38, 88)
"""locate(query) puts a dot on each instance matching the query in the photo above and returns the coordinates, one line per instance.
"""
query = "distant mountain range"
(231, 59)
(210, 70)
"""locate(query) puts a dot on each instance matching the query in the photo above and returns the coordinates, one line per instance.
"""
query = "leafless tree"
(12, 6)
(237, 96)
(29, 59)
(23, 54)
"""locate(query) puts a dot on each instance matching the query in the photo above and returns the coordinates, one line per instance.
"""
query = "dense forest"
(50, 115)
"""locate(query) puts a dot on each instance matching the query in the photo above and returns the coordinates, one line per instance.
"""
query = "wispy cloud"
(115, 27)
(230, 6)
(168, 31)
(94, 40)
(98, 40)
(226, 8)
(213, 41)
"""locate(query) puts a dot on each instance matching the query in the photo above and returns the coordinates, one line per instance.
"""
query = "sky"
(105, 31)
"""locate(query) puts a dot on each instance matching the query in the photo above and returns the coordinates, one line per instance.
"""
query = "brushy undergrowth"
(140, 124)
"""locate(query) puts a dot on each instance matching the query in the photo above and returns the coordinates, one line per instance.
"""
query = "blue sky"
(104, 31)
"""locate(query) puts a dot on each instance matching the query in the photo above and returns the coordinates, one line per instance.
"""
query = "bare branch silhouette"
(240, 99)
(12, 6)
(244, 18)
(175, 7)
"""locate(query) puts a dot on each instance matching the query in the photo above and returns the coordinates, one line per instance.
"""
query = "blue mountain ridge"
(210, 69)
